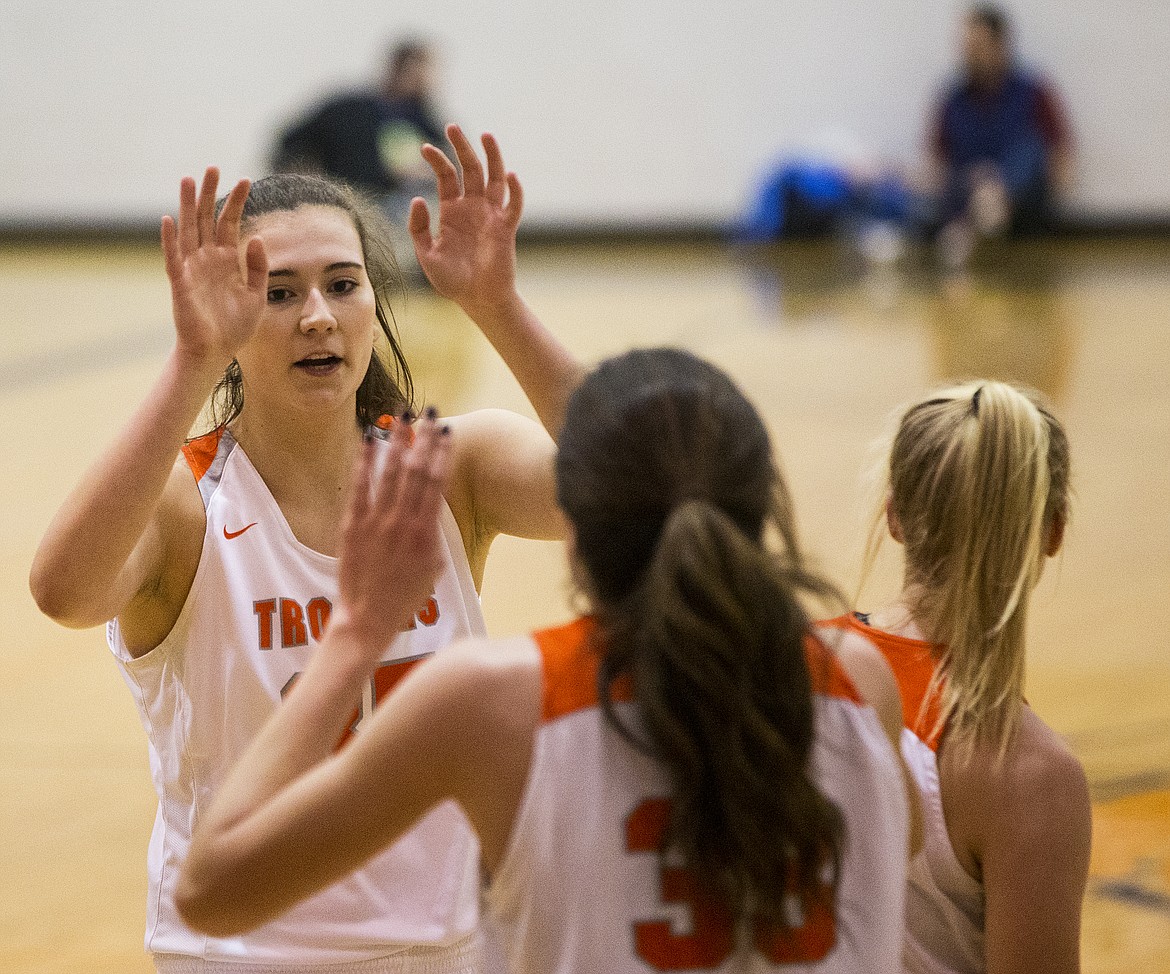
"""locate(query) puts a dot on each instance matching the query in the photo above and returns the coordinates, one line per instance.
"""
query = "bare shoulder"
(493, 682)
(181, 507)
(871, 674)
(1036, 796)
(488, 694)
(483, 429)
(1028, 823)
(1040, 774)
(489, 436)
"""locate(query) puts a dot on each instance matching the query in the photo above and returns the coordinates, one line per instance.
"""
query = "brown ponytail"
(666, 474)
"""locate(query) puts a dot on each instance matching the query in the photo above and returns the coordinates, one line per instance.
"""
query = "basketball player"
(978, 481)
(217, 570)
(684, 779)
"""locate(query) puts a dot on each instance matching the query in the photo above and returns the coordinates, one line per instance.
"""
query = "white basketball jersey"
(582, 887)
(257, 608)
(944, 903)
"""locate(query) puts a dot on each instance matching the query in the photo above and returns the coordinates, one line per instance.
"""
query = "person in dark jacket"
(1000, 145)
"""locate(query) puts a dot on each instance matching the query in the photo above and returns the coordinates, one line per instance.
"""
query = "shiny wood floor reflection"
(825, 350)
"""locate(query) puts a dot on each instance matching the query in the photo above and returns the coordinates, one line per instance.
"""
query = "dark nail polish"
(409, 416)
(445, 429)
(432, 413)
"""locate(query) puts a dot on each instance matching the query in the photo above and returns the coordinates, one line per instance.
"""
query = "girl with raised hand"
(685, 779)
(214, 561)
(978, 484)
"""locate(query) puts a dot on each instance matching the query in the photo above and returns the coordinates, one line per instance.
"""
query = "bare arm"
(502, 483)
(291, 818)
(872, 676)
(472, 261)
(108, 541)
(1034, 837)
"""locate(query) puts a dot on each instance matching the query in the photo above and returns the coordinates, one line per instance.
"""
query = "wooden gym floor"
(826, 351)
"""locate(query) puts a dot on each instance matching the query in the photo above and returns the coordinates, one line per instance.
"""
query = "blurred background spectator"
(999, 161)
(370, 138)
(1000, 145)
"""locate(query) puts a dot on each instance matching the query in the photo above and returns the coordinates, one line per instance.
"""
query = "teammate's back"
(582, 886)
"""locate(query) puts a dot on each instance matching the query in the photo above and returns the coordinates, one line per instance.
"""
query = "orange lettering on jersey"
(297, 623)
(428, 615)
(264, 610)
(386, 677)
(811, 941)
(430, 612)
(317, 612)
(292, 624)
(711, 938)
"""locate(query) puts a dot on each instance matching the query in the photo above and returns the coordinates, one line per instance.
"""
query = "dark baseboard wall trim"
(54, 233)
(574, 234)
(51, 234)
(1120, 228)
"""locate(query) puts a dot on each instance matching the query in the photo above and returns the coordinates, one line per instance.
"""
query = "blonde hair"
(977, 478)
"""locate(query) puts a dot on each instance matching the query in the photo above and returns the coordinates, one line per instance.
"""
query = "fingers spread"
(256, 265)
(170, 246)
(389, 474)
(430, 496)
(424, 477)
(363, 472)
(468, 161)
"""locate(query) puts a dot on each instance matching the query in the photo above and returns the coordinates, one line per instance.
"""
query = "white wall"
(644, 111)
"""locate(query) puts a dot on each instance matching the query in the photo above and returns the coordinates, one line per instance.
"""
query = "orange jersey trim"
(200, 452)
(571, 655)
(913, 663)
(570, 659)
(828, 676)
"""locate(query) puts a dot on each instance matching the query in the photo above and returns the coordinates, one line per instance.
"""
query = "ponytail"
(665, 472)
(978, 476)
(713, 637)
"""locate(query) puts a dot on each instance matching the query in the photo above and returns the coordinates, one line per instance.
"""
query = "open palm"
(472, 260)
(217, 294)
(391, 544)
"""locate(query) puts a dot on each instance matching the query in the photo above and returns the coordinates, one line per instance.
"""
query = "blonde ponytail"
(977, 476)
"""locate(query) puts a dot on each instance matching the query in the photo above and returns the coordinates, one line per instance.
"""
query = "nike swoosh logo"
(235, 534)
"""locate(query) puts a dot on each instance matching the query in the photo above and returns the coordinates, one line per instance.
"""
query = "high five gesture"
(472, 261)
(217, 289)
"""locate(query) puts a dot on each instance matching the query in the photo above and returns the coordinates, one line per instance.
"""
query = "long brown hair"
(666, 473)
(978, 475)
(387, 388)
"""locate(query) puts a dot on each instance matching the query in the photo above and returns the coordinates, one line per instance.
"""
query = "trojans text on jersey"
(293, 624)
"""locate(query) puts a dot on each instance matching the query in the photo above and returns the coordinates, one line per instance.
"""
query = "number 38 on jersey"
(707, 941)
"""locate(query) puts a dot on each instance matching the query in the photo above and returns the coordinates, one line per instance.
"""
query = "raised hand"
(472, 261)
(391, 552)
(217, 293)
